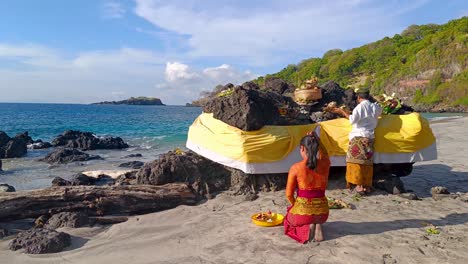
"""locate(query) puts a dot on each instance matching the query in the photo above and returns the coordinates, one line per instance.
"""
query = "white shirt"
(364, 119)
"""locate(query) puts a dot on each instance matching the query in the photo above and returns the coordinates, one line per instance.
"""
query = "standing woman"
(310, 177)
(359, 158)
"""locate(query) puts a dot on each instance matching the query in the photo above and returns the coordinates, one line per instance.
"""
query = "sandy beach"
(380, 228)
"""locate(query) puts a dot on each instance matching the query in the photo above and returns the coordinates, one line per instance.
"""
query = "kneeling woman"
(310, 177)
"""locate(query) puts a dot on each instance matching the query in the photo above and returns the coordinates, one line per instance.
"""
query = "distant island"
(141, 100)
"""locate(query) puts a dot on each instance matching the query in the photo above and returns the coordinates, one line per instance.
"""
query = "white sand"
(381, 229)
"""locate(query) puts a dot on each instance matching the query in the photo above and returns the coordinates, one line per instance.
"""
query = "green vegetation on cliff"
(424, 64)
(141, 100)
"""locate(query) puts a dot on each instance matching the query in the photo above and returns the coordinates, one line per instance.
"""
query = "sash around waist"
(310, 193)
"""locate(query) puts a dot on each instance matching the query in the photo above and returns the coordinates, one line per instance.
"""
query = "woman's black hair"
(311, 145)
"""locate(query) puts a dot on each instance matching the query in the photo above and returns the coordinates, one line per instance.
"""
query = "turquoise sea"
(149, 130)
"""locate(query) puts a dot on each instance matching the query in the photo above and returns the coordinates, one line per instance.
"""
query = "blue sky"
(92, 50)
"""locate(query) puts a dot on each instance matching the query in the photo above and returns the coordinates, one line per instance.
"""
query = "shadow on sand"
(426, 176)
(339, 229)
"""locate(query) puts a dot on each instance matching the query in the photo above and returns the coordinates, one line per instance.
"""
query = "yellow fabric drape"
(394, 134)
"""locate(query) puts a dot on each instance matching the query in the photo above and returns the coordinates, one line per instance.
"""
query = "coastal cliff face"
(134, 101)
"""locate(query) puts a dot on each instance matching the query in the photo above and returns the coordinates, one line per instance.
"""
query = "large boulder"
(87, 141)
(12, 147)
(0, 165)
(277, 85)
(67, 219)
(66, 155)
(251, 109)
(40, 241)
(205, 176)
(332, 91)
(32, 144)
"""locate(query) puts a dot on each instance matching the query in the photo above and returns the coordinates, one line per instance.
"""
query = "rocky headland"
(134, 101)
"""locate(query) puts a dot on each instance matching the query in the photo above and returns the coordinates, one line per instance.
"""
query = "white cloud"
(264, 34)
(176, 72)
(112, 10)
(185, 82)
(45, 75)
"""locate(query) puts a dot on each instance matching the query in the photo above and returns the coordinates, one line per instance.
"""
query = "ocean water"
(149, 130)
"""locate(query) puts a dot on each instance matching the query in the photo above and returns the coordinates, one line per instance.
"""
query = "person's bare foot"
(318, 237)
(360, 188)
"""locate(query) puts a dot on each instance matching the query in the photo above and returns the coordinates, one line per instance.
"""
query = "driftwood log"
(96, 200)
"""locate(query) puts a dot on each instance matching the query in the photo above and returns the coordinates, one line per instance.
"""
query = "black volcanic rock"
(132, 164)
(12, 147)
(32, 144)
(250, 85)
(251, 109)
(25, 136)
(82, 179)
(3, 232)
(40, 241)
(66, 155)
(87, 141)
(277, 85)
(39, 144)
(137, 155)
(67, 219)
(58, 181)
(332, 91)
(205, 177)
(134, 101)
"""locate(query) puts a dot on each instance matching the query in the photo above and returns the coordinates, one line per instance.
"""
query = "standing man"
(359, 158)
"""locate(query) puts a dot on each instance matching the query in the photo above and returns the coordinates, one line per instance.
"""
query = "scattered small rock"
(439, 190)
(58, 181)
(82, 179)
(6, 188)
(104, 180)
(40, 241)
(137, 155)
(389, 183)
(251, 197)
(132, 164)
(67, 219)
(3, 232)
(388, 259)
(41, 221)
(409, 196)
(128, 178)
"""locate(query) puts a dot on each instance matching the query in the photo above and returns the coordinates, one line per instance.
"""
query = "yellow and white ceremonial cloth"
(273, 149)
